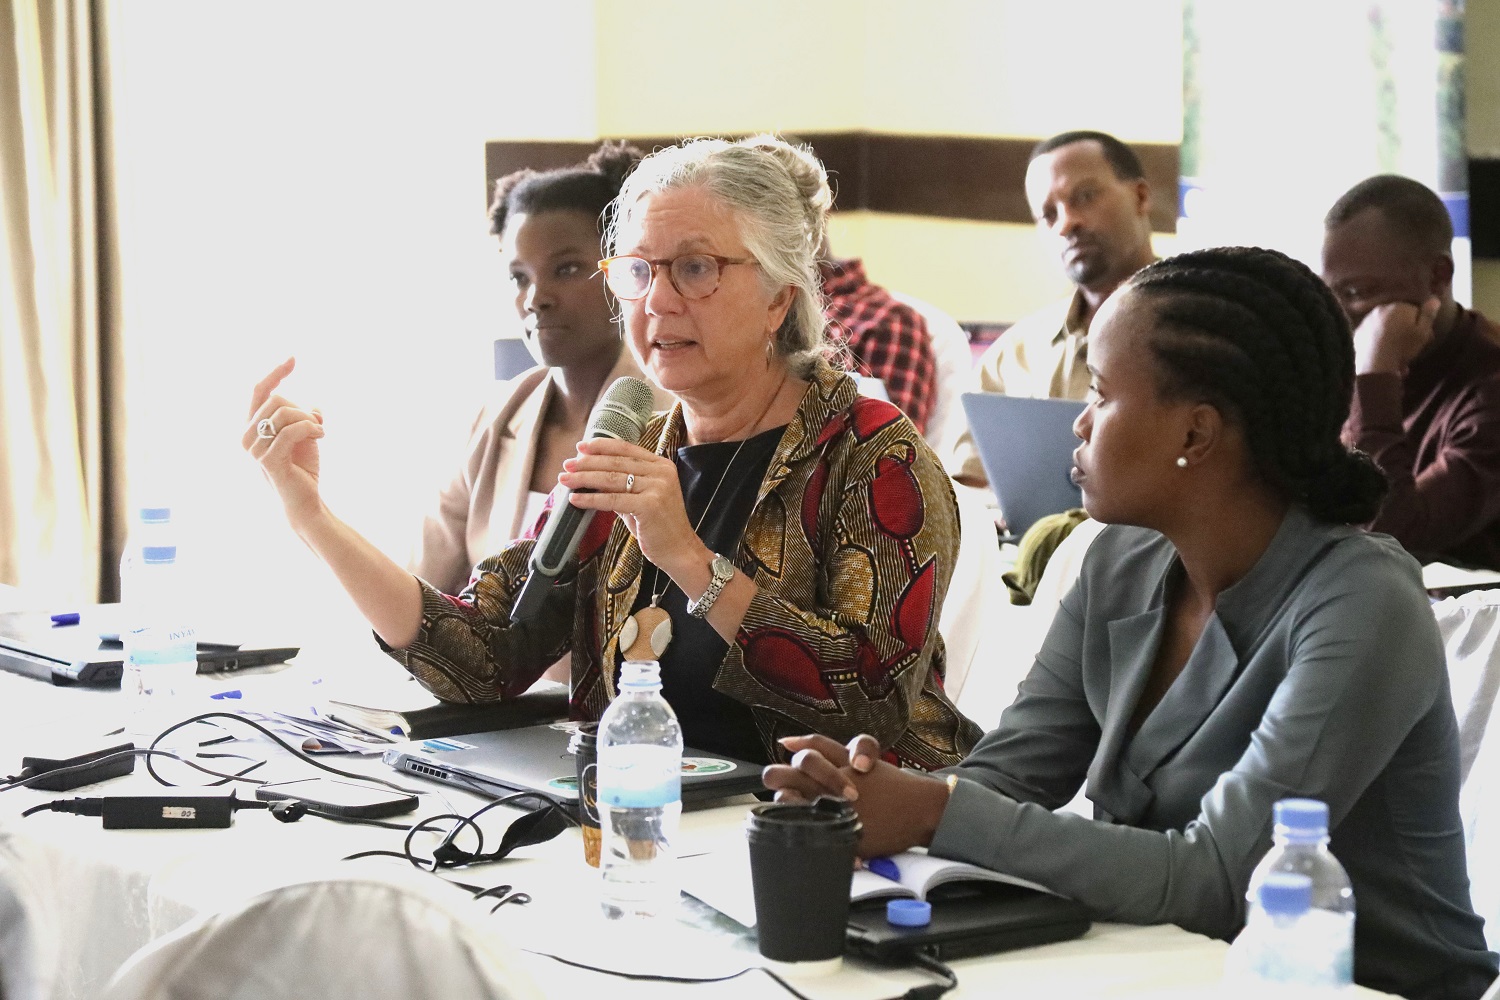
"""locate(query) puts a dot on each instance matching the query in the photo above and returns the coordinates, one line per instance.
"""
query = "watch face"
(722, 567)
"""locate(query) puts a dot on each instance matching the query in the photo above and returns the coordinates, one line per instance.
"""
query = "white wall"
(308, 179)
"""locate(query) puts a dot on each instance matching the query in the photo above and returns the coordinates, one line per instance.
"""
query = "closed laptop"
(89, 650)
(536, 759)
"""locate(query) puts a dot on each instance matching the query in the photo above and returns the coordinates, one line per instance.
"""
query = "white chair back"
(340, 939)
(25, 956)
(967, 617)
(1470, 626)
(950, 348)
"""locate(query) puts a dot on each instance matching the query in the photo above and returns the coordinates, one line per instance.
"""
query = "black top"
(710, 721)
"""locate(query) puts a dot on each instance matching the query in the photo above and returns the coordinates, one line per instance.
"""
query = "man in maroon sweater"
(1427, 371)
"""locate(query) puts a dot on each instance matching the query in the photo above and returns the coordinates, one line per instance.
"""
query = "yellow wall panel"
(1022, 68)
(975, 271)
(692, 67)
(941, 67)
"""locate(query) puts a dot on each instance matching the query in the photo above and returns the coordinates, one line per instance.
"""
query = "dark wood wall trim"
(948, 177)
(1484, 209)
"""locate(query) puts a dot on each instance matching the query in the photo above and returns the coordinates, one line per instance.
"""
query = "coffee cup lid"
(825, 815)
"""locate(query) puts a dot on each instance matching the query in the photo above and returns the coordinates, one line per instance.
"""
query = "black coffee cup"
(801, 865)
(584, 745)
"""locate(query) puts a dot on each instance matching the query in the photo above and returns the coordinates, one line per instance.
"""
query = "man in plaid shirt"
(884, 338)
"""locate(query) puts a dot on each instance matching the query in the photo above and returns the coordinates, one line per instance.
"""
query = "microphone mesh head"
(624, 411)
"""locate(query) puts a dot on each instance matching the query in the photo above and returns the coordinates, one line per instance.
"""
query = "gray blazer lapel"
(1112, 785)
(1188, 703)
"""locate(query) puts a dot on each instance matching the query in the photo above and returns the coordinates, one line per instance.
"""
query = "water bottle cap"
(640, 674)
(155, 515)
(908, 913)
(1301, 817)
(158, 553)
(1286, 894)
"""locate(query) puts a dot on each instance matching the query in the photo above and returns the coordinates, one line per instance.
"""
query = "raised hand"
(1391, 335)
(283, 439)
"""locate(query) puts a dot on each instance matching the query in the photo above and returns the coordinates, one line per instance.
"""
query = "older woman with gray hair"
(779, 543)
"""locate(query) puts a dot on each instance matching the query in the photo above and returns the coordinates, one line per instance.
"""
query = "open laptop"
(1026, 446)
(536, 759)
(89, 651)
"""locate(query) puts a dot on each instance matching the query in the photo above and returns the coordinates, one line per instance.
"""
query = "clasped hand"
(650, 503)
(899, 808)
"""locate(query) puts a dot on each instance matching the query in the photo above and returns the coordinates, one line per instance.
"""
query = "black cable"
(529, 828)
(932, 990)
(927, 991)
(279, 742)
(27, 780)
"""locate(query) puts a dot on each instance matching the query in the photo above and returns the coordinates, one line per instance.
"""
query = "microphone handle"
(555, 548)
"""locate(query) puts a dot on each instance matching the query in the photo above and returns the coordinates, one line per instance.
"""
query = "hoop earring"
(1182, 461)
(770, 347)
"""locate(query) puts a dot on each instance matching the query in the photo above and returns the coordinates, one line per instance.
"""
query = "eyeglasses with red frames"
(694, 275)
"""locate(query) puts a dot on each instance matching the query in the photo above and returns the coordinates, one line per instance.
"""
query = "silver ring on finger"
(264, 429)
(630, 482)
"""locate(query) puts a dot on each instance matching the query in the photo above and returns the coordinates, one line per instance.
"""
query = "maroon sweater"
(1436, 435)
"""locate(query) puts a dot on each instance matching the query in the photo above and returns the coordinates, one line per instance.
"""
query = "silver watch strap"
(716, 584)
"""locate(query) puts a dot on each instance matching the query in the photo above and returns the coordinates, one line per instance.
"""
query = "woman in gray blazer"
(1231, 641)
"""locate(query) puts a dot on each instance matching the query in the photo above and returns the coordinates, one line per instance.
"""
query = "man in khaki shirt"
(1091, 200)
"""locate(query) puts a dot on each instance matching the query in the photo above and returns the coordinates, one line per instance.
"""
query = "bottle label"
(641, 776)
(155, 646)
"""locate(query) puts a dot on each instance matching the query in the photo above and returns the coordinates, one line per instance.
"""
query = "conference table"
(97, 896)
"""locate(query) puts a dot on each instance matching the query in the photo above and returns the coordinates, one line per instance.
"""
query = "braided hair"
(1258, 335)
(588, 187)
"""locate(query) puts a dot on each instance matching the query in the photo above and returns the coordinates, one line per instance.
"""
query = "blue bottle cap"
(1286, 894)
(1304, 817)
(155, 515)
(909, 912)
(159, 553)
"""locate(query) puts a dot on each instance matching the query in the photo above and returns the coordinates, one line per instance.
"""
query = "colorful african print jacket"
(851, 544)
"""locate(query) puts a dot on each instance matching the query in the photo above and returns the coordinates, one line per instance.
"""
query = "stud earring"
(1182, 461)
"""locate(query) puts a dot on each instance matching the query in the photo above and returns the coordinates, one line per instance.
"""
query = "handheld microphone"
(621, 414)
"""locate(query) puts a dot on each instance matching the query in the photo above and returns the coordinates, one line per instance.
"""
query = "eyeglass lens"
(694, 275)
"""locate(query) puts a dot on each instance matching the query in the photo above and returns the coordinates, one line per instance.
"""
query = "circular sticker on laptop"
(565, 783)
(706, 765)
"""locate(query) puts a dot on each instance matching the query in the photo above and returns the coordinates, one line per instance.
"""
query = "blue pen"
(221, 695)
(884, 867)
(65, 618)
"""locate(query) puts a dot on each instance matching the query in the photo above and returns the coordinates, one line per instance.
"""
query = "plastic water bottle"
(640, 795)
(161, 647)
(1288, 948)
(1300, 847)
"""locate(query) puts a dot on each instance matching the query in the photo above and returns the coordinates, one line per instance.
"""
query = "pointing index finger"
(267, 385)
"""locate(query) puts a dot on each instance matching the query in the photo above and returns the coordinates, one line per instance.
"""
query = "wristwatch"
(722, 570)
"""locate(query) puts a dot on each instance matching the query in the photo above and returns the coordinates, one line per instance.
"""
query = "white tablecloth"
(95, 896)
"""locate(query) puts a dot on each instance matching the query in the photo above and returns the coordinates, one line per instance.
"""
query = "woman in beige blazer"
(549, 229)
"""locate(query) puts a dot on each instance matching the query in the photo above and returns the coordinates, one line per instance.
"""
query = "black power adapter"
(197, 810)
(57, 773)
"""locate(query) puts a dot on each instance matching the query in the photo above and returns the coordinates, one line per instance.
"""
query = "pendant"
(646, 634)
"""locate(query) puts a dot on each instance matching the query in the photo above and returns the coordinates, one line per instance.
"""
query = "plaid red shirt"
(884, 338)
